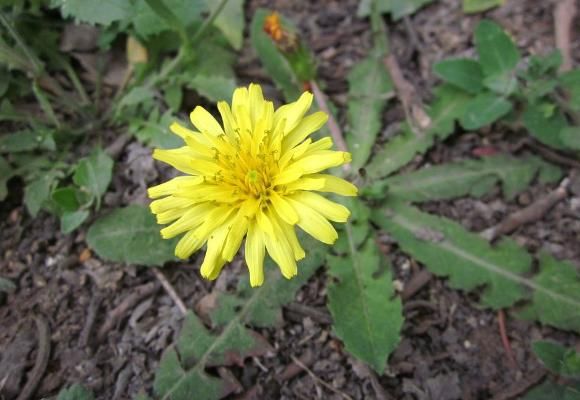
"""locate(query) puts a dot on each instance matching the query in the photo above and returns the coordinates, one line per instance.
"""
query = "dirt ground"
(450, 348)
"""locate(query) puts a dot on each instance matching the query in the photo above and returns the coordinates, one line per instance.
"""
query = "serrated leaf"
(557, 358)
(93, 173)
(182, 375)
(369, 87)
(70, 221)
(214, 87)
(545, 125)
(94, 12)
(6, 172)
(130, 235)
(570, 137)
(553, 391)
(401, 149)
(561, 310)
(147, 22)
(464, 73)
(484, 110)
(367, 317)
(474, 6)
(230, 21)
(498, 54)
(274, 62)
(75, 392)
(465, 178)
(466, 259)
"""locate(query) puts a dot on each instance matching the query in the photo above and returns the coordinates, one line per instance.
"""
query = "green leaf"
(136, 95)
(130, 235)
(448, 250)
(155, 131)
(6, 173)
(570, 81)
(465, 178)
(557, 358)
(93, 173)
(545, 124)
(553, 391)
(464, 73)
(173, 96)
(27, 140)
(475, 6)
(182, 375)
(561, 310)
(70, 221)
(38, 191)
(484, 110)
(6, 285)
(274, 62)
(213, 87)
(67, 199)
(369, 88)
(147, 22)
(504, 84)
(498, 54)
(94, 12)
(367, 317)
(75, 392)
(398, 8)
(570, 137)
(401, 149)
(230, 21)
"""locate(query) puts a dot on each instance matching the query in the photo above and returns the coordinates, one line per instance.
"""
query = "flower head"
(253, 177)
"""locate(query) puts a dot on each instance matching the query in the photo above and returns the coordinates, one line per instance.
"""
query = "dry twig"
(318, 380)
(41, 362)
(139, 293)
(90, 321)
(335, 130)
(564, 13)
(531, 213)
(170, 291)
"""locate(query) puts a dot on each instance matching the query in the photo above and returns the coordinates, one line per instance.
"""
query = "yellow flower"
(254, 178)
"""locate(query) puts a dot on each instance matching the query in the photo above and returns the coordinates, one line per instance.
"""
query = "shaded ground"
(450, 348)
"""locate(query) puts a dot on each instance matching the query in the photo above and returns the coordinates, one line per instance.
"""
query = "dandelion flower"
(254, 176)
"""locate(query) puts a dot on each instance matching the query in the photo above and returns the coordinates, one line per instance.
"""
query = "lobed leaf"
(367, 315)
(558, 304)
(557, 358)
(466, 259)
(182, 375)
(401, 149)
(130, 235)
(465, 178)
(369, 87)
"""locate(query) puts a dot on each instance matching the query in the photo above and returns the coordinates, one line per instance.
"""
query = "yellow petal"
(333, 184)
(305, 127)
(179, 158)
(305, 183)
(255, 251)
(240, 98)
(170, 202)
(284, 209)
(328, 209)
(214, 219)
(281, 252)
(314, 224)
(237, 231)
(293, 112)
(256, 102)
(320, 160)
(190, 220)
(290, 234)
(188, 244)
(172, 186)
(204, 121)
(213, 261)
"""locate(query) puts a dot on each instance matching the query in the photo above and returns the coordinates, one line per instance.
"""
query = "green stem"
(36, 65)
